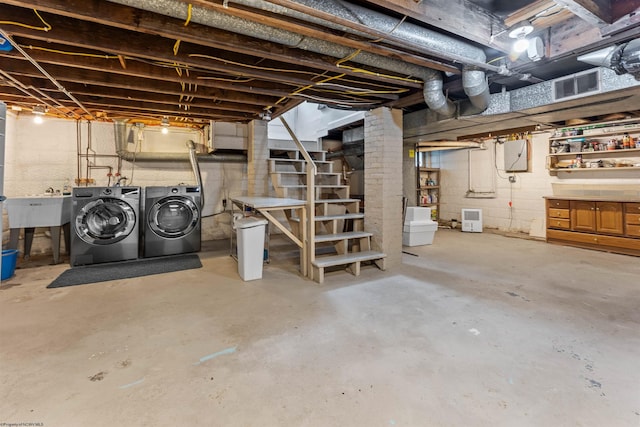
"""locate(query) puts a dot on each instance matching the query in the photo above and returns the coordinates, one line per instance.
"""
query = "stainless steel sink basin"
(38, 211)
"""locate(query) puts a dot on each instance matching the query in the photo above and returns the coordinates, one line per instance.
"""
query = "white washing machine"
(171, 220)
(105, 224)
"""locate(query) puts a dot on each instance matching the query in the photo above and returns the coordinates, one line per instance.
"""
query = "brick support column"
(258, 183)
(383, 181)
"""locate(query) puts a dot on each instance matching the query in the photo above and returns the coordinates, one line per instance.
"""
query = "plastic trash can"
(250, 247)
(9, 259)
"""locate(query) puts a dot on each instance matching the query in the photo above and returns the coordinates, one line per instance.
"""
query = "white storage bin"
(416, 233)
(417, 214)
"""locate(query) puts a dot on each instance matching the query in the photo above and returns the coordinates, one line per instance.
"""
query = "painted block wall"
(42, 156)
(527, 211)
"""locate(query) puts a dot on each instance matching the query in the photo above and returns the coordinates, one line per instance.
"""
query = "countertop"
(612, 198)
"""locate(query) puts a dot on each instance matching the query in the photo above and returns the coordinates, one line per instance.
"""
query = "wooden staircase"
(340, 239)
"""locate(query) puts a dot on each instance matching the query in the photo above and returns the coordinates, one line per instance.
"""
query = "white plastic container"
(417, 233)
(415, 213)
(250, 247)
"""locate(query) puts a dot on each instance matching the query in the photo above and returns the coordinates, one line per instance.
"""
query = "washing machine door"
(105, 221)
(173, 217)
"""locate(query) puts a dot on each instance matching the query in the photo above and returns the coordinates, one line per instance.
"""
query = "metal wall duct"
(177, 9)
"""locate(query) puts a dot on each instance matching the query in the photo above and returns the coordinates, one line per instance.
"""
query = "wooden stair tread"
(339, 216)
(336, 200)
(331, 260)
(304, 173)
(297, 160)
(342, 236)
(317, 186)
(332, 217)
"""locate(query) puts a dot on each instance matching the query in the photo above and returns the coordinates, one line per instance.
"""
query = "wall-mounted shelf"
(608, 146)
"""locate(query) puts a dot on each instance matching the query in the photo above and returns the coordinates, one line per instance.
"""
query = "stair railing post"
(308, 250)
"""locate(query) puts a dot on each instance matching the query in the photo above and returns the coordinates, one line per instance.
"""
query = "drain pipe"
(215, 19)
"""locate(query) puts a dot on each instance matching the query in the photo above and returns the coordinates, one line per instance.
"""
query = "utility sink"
(38, 211)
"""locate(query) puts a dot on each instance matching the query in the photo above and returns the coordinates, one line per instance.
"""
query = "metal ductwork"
(474, 81)
(432, 78)
(623, 58)
(130, 156)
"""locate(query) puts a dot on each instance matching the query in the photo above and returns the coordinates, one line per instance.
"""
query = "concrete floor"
(476, 330)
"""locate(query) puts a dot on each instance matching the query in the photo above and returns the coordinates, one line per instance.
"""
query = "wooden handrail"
(312, 171)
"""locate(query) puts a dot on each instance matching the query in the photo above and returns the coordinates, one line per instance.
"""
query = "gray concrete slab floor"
(474, 330)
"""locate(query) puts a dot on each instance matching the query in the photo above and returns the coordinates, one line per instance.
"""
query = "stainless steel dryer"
(105, 224)
(171, 220)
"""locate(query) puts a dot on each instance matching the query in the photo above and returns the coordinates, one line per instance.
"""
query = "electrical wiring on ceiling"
(46, 27)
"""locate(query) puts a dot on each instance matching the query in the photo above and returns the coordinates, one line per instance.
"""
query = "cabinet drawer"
(559, 213)
(632, 218)
(561, 204)
(559, 223)
(632, 208)
(633, 230)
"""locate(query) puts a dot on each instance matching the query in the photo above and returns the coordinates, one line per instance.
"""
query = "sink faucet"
(49, 190)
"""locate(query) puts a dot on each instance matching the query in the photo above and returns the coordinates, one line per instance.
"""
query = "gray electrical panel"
(516, 156)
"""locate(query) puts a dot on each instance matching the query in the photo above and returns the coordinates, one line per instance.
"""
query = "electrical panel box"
(516, 156)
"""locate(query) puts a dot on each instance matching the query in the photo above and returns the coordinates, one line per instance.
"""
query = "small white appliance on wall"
(472, 220)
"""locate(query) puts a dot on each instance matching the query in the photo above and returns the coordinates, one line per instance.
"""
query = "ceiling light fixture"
(266, 115)
(165, 125)
(520, 33)
(38, 112)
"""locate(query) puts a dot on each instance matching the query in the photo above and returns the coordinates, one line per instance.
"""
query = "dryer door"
(105, 221)
(173, 217)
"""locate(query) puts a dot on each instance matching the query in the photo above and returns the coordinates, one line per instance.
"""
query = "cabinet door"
(609, 217)
(583, 216)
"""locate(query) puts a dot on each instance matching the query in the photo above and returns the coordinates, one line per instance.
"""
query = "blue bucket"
(9, 259)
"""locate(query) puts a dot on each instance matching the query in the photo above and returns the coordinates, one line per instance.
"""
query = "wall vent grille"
(576, 85)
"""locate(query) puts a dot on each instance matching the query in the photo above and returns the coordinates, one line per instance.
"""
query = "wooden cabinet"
(600, 217)
(612, 226)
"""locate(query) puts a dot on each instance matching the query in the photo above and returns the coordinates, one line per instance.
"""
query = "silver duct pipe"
(623, 58)
(212, 18)
(196, 169)
(474, 81)
(183, 157)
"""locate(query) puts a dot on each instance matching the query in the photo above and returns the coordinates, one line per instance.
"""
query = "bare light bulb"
(521, 45)
(165, 130)
(37, 119)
